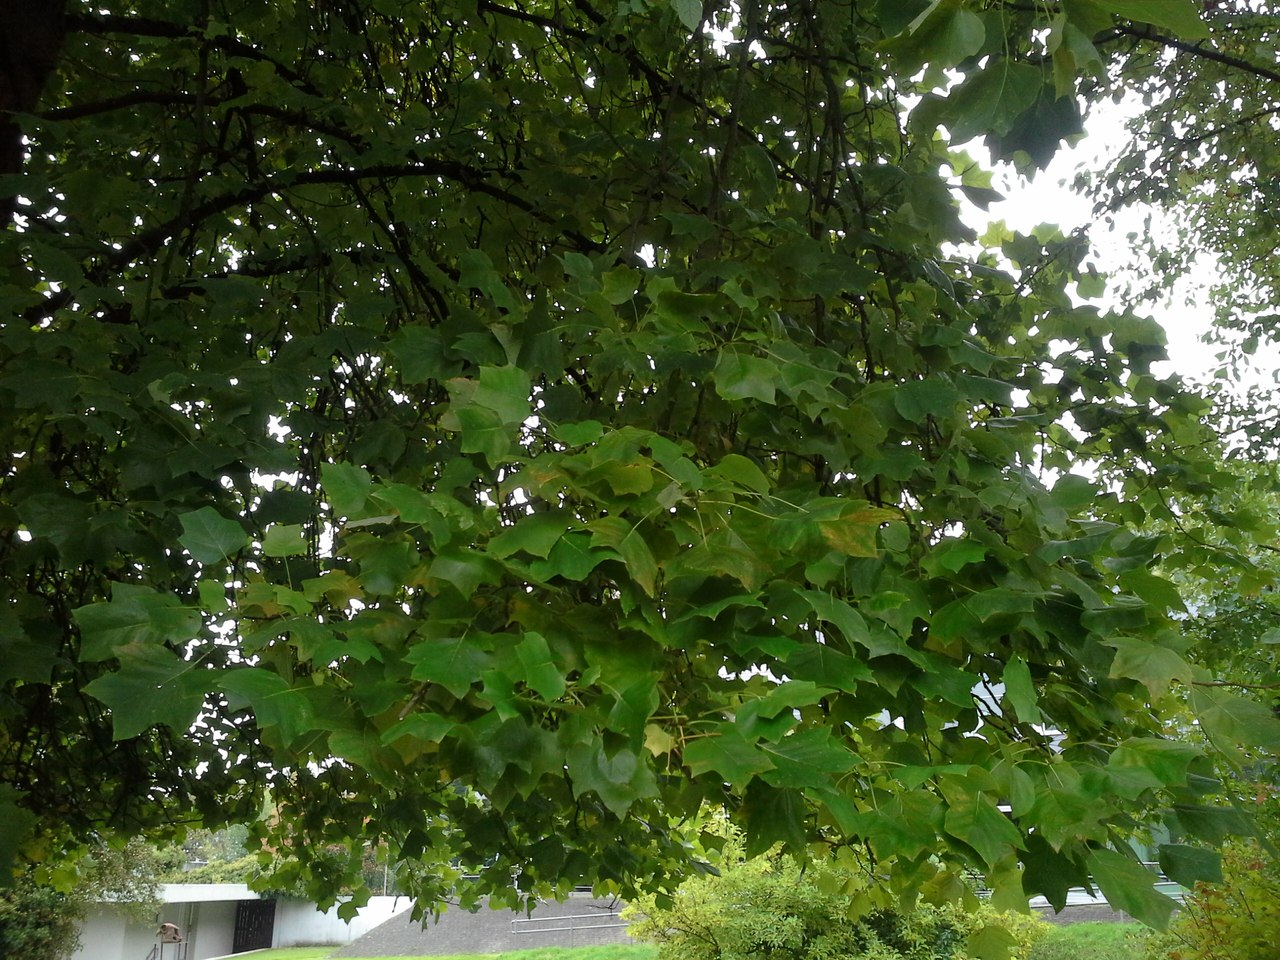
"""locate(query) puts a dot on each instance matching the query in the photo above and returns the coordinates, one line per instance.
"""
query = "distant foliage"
(1238, 919)
(769, 907)
(241, 870)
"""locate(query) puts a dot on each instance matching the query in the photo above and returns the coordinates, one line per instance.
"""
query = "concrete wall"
(211, 931)
(108, 935)
(208, 928)
(299, 923)
(208, 924)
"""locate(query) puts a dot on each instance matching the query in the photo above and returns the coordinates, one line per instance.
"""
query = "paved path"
(580, 921)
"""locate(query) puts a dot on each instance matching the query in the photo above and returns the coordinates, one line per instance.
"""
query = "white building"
(221, 919)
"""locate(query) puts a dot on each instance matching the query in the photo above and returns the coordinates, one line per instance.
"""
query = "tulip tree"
(500, 432)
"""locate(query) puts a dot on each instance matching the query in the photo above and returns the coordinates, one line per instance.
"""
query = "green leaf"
(631, 546)
(727, 753)
(945, 34)
(485, 432)
(689, 12)
(579, 434)
(505, 391)
(210, 537)
(1211, 824)
(1020, 691)
(774, 815)
(573, 557)
(740, 376)
(426, 727)
(1179, 17)
(412, 505)
(454, 663)
(285, 540)
(476, 271)
(152, 686)
(619, 781)
(1072, 492)
(274, 703)
(835, 611)
(1151, 763)
(541, 672)
(1229, 719)
(634, 706)
(1129, 886)
(990, 101)
(534, 534)
(346, 487)
(1157, 591)
(465, 570)
(854, 532)
(134, 617)
(953, 555)
(991, 942)
(917, 400)
(824, 664)
(740, 471)
(999, 601)
(1189, 865)
(1153, 665)
(808, 758)
(977, 821)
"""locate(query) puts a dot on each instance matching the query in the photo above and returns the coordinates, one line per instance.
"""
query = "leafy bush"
(1237, 919)
(38, 923)
(769, 908)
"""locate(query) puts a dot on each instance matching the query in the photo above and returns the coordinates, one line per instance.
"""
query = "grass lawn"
(1089, 941)
(614, 952)
(1075, 941)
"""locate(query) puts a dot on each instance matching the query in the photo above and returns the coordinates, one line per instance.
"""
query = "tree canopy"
(496, 431)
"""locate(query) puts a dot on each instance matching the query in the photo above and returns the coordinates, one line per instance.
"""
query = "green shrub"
(1237, 919)
(37, 923)
(769, 908)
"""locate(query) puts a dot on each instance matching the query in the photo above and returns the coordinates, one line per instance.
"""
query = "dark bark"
(30, 36)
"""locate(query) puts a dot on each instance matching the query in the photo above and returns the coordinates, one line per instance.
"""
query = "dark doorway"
(255, 923)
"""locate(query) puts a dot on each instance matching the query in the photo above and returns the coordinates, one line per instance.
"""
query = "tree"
(42, 912)
(497, 431)
(1202, 150)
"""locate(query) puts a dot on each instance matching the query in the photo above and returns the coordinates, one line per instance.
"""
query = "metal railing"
(567, 923)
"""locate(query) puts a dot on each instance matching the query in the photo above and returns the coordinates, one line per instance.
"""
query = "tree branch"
(1195, 50)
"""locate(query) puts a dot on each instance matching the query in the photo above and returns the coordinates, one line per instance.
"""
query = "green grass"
(1075, 941)
(612, 952)
(1089, 941)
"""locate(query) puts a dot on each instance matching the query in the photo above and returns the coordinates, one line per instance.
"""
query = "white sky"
(1049, 199)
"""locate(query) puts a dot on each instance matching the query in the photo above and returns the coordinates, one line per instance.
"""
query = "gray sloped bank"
(590, 921)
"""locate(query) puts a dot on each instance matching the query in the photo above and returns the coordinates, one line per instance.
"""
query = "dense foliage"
(770, 907)
(495, 431)
(1235, 919)
(37, 923)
